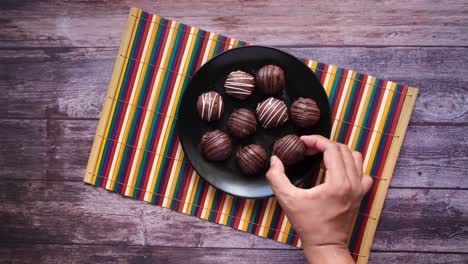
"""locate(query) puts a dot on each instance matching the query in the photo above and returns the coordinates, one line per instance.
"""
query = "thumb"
(366, 183)
(279, 182)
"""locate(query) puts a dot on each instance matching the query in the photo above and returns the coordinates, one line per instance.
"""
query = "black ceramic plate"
(300, 82)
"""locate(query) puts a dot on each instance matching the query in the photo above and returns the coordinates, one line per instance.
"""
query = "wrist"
(327, 254)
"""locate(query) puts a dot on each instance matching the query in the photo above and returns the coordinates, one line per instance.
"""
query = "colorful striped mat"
(137, 152)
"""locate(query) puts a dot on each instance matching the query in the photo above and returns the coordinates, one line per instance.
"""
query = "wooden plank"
(59, 212)
(144, 254)
(298, 22)
(76, 213)
(45, 149)
(433, 156)
(43, 253)
(72, 82)
(55, 83)
(439, 216)
(59, 149)
(417, 257)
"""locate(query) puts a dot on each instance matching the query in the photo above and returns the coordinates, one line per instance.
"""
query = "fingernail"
(273, 160)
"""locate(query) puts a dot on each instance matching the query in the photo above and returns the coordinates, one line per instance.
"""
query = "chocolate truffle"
(272, 113)
(242, 123)
(239, 85)
(289, 149)
(251, 159)
(305, 112)
(210, 106)
(270, 79)
(216, 145)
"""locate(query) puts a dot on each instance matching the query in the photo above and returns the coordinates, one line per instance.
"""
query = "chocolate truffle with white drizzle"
(239, 85)
(251, 159)
(289, 149)
(270, 79)
(210, 106)
(305, 112)
(216, 145)
(242, 123)
(272, 113)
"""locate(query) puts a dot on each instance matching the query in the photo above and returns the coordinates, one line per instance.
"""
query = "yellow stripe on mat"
(270, 217)
(187, 206)
(225, 215)
(95, 158)
(359, 122)
(161, 143)
(370, 154)
(248, 215)
(129, 113)
(387, 174)
(130, 188)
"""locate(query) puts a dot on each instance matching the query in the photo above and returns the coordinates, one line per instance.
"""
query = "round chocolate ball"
(272, 113)
(289, 149)
(305, 112)
(270, 79)
(242, 123)
(251, 159)
(216, 145)
(239, 85)
(210, 106)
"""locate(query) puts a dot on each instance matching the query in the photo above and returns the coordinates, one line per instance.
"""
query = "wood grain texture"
(415, 257)
(43, 253)
(56, 60)
(45, 149)
(59, 212)
(72, 82)
(298, 22)
(55, 83)
(147, 254)
(58, 150)
(423, 220)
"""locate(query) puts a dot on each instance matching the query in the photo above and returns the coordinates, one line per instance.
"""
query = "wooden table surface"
(56, 60)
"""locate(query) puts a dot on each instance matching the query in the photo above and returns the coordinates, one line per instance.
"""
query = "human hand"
(323, 215)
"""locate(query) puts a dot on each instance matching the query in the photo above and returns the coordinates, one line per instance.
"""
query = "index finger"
(315, 144)
(332, 157)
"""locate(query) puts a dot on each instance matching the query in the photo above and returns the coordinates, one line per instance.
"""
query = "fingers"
(335, 166)
(350, 165)
(366, 184)
(343, 165)
(359, 162)
(279, 182)
(315, 144)
(332, 158)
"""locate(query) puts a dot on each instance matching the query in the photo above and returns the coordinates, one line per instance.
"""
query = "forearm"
(327, 254)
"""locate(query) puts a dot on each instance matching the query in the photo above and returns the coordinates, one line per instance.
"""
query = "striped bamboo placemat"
(137, 153)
